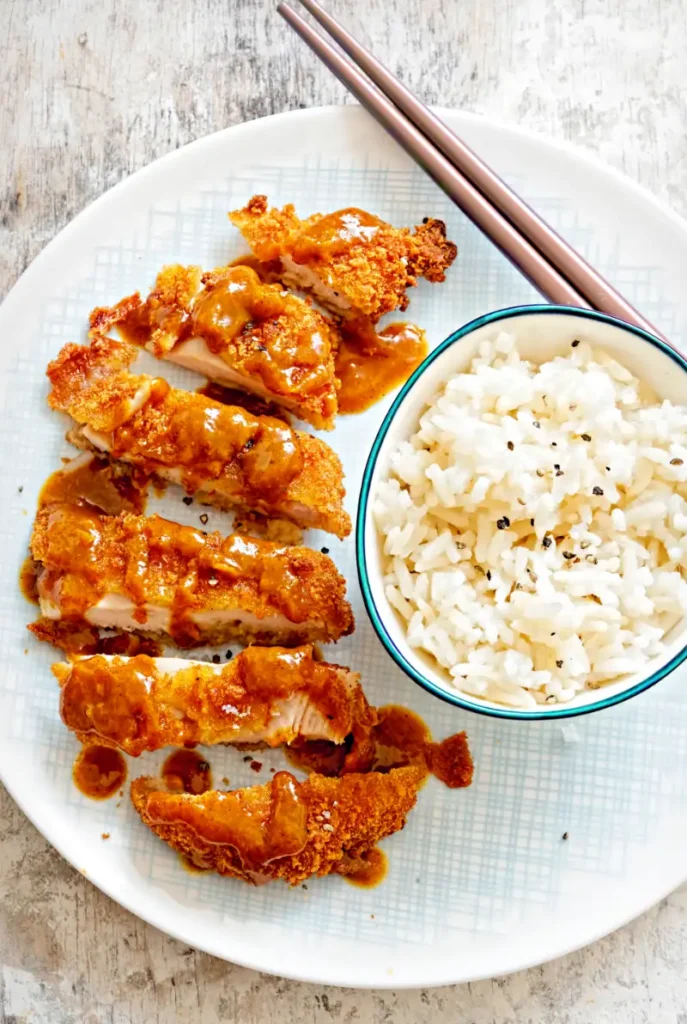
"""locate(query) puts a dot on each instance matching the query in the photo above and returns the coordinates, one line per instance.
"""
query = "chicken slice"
(153, 576)
(355, 264)
(284, 829)
(221, 453)
(265, 695)
(237, 331)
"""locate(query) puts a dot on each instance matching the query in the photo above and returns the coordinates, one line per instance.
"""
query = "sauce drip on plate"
(99, 772)
(88, 480)
(186, 771)
(370, 870)
(370, 364)
(27, 580)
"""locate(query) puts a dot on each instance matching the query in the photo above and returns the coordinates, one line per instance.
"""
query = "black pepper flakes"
(568, 554)
(547, 542)
(591, 558)
(575, 343)
(248, 758)
(537, 424)
(187, 499)
(554, 444)
(204, 518)
(488, 574)
(597, 491)
(229, 655)
(586, 437)
(531, 522)
(564, 836)
(559, 663)
(503, 523)
(556, 465)
(20, 488)
(510, 446)
(559, 472)
(540, 473)
(215, 659)
(325, 551)
(673, 462)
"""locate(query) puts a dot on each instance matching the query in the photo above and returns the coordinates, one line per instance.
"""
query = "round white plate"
(481, 881)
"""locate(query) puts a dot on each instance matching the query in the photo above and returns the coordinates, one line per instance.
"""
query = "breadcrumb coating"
(227, 456)
(236, 330)
(285, 829)
(355, 263)
(265, 695)
(209, 588)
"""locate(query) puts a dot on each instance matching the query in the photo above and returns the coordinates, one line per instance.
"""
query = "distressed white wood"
(91, 90)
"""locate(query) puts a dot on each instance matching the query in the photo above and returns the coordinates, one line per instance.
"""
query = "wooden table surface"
(91, 90)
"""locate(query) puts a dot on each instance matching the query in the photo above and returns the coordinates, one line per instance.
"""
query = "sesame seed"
(585, 544)
(586, 437)
(204, 518)
(575, 343)
(568, 554)
(537, 424)
(510, 446)
(328, 828)
(326, 814)
(559, 664)
(488, 574)
(212, 582)
(676, 462)
(559, 472)
(503, 524)
(540, 473)
(591, 558)
(547, 542)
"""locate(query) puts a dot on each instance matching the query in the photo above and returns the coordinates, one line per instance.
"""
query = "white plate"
(480, 881)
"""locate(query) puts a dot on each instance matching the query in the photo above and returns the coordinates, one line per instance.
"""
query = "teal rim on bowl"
(458, 699)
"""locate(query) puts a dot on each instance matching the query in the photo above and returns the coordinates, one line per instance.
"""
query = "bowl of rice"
(522, 526)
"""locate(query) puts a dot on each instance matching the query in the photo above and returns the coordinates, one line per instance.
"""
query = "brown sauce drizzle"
(97, 483)
(370, 869)
(27, 580)
(335, 233)
(370, 364)
(186, 771)
(400, 738)
(253, 404)
(207, 440)
(220, 818)
(99, 772)
(89, 555)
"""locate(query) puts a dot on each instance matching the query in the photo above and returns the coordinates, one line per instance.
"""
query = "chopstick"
(536, 250)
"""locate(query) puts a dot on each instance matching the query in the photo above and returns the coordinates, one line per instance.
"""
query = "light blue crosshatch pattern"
(474, 861)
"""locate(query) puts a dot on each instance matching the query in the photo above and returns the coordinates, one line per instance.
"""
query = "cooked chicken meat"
(238, 331)
(354, 263)
(153, 576)
(265, 695)
(284, 829)
(223, 454)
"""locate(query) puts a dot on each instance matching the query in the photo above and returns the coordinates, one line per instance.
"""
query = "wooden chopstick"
(539, 253)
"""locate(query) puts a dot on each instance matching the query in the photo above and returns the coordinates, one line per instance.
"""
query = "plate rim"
(15, 297)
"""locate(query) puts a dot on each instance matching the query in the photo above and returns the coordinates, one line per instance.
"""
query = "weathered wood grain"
(91, 90)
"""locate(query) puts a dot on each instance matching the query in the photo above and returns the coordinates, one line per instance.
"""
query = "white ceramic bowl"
(543, 332)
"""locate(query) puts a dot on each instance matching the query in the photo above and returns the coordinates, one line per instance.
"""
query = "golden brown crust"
(264, 695)
(228, 456)
(272, 343)
(343, 818)
(366, 263)
(290, 595)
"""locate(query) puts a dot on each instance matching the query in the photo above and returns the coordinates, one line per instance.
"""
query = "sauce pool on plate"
(186, 771)
(369, 364)
(371, 871)
(99, 772)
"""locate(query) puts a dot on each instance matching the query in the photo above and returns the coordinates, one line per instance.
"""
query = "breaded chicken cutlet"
(156, 577)
(264, 696)
(284, 829)
(222, 454)
(355, 264)
(237, 331)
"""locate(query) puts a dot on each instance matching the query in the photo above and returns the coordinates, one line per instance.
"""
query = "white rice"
(535, 526)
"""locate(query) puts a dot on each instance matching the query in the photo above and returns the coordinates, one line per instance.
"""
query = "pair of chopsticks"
(539, 253)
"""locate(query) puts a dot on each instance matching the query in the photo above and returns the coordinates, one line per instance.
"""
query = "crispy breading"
(238, 331)
(177, 581)
(265, 695)
(227, 456)
(355, 263)
(316, 829)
